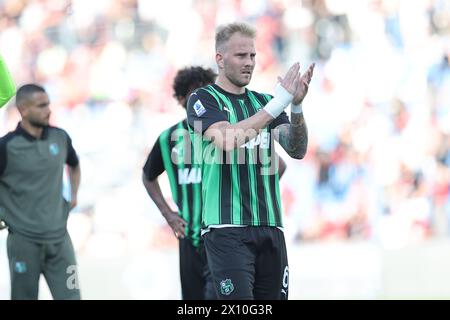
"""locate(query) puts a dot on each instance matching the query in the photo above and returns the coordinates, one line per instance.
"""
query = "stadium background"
(367, 212)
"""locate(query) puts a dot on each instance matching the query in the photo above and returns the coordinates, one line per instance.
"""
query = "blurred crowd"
(378, 110)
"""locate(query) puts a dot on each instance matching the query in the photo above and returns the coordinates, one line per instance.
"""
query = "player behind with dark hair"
(171, 153)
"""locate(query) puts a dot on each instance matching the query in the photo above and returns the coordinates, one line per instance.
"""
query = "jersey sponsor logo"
(199, 108)
(189, 175)
(54, 149)
(20, 267)
(226, 287)
(262, 139)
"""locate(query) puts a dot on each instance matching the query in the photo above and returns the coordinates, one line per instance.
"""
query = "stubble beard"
(38, 124)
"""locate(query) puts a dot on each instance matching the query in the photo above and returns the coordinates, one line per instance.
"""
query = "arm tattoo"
(294, 137)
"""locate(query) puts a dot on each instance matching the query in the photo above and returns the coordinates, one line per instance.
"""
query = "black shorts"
(196, 283)
(248, 262)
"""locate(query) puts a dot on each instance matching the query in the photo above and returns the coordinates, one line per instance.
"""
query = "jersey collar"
(29, 137)
(229, 94)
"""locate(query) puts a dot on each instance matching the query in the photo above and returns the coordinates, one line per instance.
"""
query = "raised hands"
(302, 85)
(291, 79)
(292, 88)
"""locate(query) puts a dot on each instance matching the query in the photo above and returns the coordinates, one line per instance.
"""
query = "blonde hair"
(224, 33)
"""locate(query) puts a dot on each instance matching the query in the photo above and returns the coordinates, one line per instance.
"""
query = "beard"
(237, 79)
(239, 82)
(38, 124)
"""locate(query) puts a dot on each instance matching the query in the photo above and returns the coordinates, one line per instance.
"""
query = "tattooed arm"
(293, 137)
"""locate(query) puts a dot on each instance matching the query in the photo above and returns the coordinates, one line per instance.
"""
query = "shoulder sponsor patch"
(199, 108)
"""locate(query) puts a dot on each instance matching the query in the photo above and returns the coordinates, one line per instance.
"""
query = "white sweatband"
(296, 108)
(279, 102)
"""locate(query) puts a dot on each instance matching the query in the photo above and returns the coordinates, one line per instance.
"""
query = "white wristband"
(279, 102)
(296, 108)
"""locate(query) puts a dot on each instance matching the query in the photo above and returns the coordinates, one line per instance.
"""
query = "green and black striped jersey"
(240, 187)
(172, 153)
